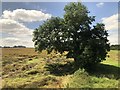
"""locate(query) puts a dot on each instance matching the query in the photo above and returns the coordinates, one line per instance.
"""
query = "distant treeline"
(115, 47)
(112, 47)
(13, 46)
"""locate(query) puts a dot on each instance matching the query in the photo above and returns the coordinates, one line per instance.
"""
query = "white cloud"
(15, 28)
(99, 4)
(25, 15)
(113, 38)
(19, 34)
(12, 41)
(111, 24)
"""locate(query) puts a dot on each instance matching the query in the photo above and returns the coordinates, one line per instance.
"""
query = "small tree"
(74, 34)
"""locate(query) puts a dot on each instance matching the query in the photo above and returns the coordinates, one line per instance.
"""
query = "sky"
(19, 19)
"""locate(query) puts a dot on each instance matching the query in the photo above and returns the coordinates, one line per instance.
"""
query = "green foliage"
(47, 36)
(74, 34)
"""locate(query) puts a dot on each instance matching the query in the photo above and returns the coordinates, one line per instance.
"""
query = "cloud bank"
(25, 15)
(14, 31)
(111, 24)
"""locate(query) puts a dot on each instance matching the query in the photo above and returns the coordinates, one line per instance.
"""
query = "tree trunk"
(77, 61)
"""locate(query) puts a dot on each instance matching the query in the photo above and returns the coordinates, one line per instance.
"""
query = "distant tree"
(14, 46)
(74, 33)
(115, 47)
(6, 47)
(19, 46)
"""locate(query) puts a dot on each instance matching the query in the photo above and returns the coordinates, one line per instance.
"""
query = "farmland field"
(24, 68)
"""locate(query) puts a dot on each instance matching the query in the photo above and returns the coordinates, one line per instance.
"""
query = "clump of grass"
(30, 82)
(32, 72)
(80, 79)
(20, 82)
(104, 82)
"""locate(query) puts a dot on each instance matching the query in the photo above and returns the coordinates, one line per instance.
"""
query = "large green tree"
(75, 34)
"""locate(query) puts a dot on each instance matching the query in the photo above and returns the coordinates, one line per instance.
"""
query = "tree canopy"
(75, 34)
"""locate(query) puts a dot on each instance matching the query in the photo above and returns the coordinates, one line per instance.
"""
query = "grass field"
(24, 68)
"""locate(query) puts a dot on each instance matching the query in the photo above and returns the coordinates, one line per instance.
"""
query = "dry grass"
(23, 67)
(18, 51)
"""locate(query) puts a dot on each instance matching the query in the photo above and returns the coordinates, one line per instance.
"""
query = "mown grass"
(113, 58)
(24, 68)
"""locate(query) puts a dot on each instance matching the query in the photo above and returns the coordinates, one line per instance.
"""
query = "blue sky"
(106, 10)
